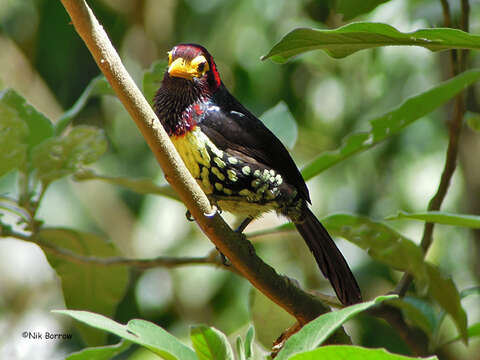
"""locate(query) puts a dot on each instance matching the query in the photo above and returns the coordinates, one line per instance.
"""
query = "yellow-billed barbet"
(238, 162)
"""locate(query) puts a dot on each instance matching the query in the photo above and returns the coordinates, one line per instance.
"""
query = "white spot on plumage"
(246, 170)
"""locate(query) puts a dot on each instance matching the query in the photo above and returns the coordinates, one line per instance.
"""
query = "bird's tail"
(329, 259)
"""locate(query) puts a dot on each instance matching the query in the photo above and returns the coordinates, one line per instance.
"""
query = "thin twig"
(162, 261)
(452, 148)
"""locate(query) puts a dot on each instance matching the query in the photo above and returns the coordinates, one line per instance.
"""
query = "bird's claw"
(189, 216)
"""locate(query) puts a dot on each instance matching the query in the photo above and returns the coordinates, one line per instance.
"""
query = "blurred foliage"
(43, 61)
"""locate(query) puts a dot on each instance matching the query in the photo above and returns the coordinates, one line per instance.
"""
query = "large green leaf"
(280, 121)
(392, 122)
(39, 126)
(440, 217)
(61, 156)
(381, 242)
(86, 286)
(317, 331)
(351, 38)
(139, 332)
(344, 352)
(97, 86)
(210, 344)
(354, 8)
(100, 352)
(152, 79)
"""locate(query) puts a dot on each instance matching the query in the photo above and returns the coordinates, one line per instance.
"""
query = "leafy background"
(44, 60)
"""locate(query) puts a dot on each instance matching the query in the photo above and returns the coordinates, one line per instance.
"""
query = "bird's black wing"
(232, 127)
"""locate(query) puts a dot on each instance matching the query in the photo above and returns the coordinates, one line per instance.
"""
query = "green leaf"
(472, 331)
(249, 342)
(280, 121)
(351, 38)
(141, 186)
(381, 242)
(418, 312)
(86, 285)
(439, 217)
(475, 290)
(61, 156)
(392, 122)
(345, 352)
(97, 86)
(473, 120)
(240, 349)
(317, 331)
(101, 352)
(353, 8)
(39, 126)
(152, 79)
(13, 140)
(444, 291)
(210, 344)
(139, 332)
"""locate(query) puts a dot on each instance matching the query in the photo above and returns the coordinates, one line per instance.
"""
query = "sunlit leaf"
(100, 352)
(240, 349)
(440, 217)
(97, 86)
(392, 122)
(210, 344)
(86, 286)
(39, 126)
(61, 156)
(152, 79)
(139, 332)
(354, 8)
(351, 38)
(344, 352)
(249, 342)
(317, 331)
(280, 121)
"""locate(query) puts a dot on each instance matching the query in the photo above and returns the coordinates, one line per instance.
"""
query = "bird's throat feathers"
(179, 105)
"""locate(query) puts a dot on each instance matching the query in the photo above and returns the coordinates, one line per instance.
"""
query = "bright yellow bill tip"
(180, 68)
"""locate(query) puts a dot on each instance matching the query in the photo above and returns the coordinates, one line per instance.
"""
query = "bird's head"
(193, 63)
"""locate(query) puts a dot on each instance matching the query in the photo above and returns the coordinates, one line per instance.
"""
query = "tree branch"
(162, 261)
(304, 307)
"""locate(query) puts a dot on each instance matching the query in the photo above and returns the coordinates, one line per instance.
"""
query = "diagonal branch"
(304, 307)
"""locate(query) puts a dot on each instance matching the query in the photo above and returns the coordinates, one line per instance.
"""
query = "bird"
(242, 167)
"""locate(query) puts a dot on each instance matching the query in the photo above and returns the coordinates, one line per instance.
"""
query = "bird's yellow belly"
(211, 167)
(192, 148)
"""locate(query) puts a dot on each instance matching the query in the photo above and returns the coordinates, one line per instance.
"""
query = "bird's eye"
(201, 67)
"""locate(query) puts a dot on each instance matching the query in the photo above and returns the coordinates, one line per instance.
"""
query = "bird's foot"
(189, 216)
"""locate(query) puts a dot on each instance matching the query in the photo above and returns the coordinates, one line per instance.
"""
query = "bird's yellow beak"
(183, 69)
(188, 69)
